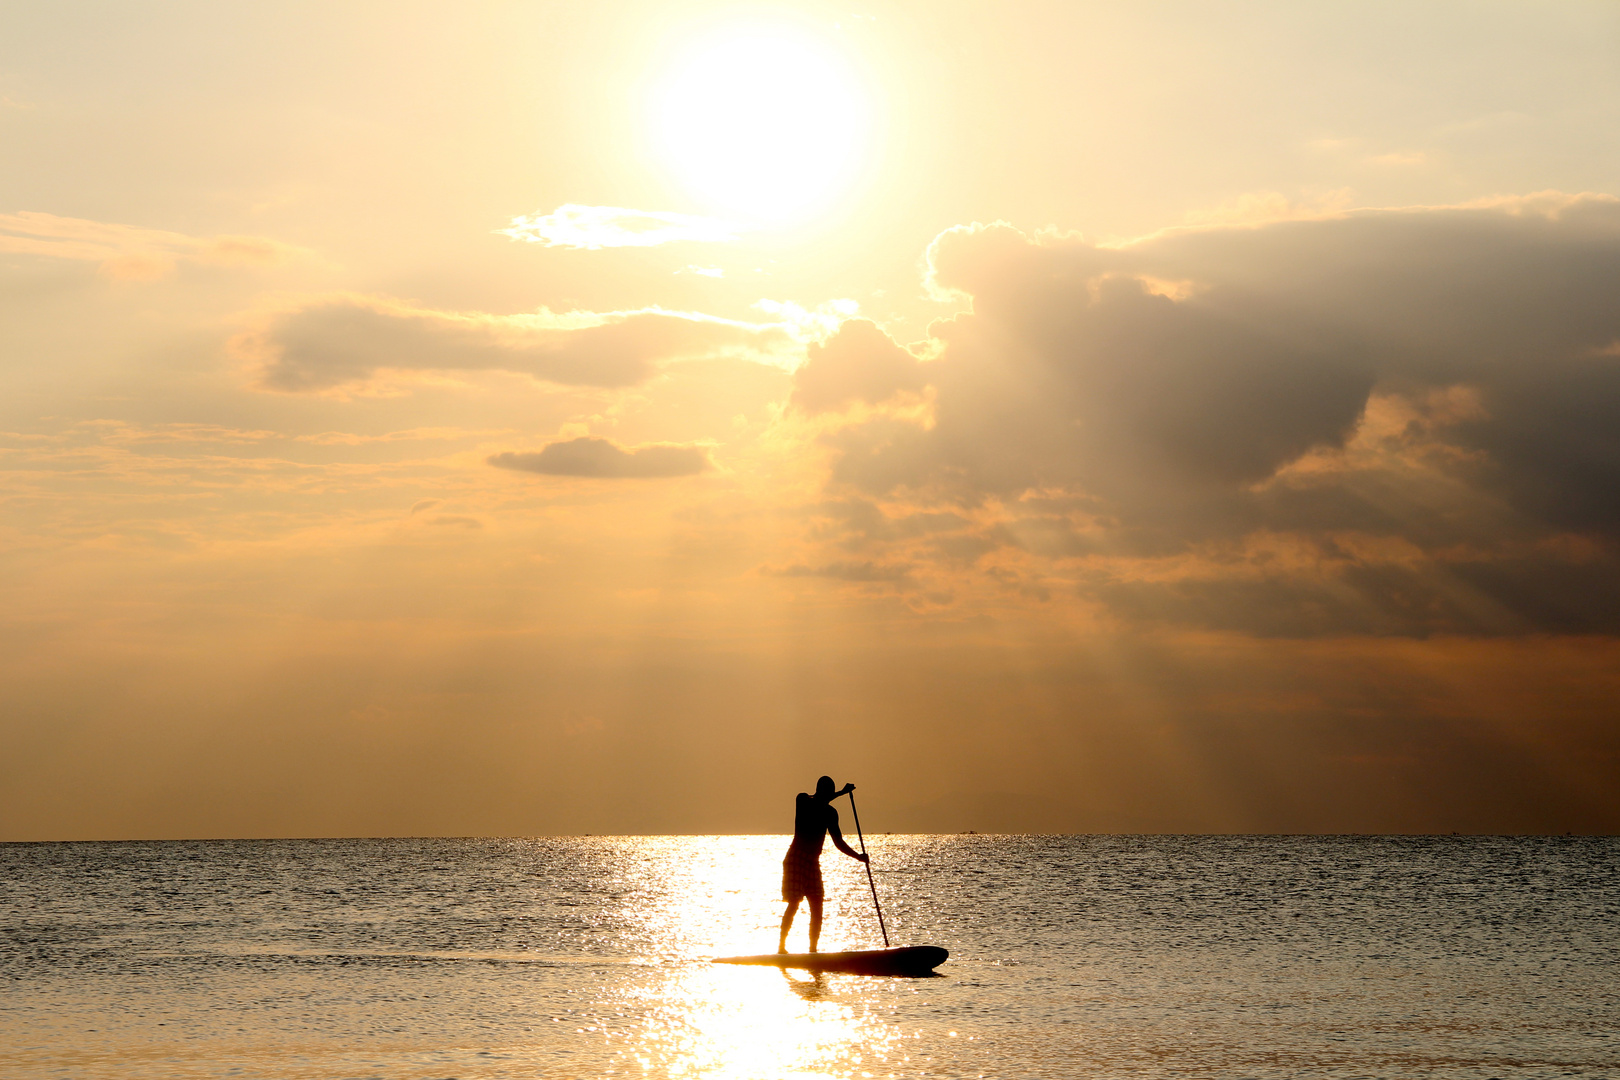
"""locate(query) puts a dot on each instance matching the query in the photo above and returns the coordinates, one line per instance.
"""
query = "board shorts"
(801, 875)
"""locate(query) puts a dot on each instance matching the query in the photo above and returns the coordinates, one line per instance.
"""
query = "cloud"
(810, 324)
(128, 252)
(120, 431)
(859, 362)
(1377, 421)
(858, 572)
(345, 340)
(351, 438)
(1262, 207)
(596, 227)
(601, 459)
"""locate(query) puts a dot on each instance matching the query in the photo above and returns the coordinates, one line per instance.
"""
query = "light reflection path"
(715, 1022)
(710, 1021)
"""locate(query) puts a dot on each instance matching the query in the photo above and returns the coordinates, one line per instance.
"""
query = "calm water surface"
(1070, 957)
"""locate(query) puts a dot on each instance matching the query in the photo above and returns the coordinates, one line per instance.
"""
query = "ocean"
(1071, 956)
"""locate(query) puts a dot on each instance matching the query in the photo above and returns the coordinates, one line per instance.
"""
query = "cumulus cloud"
(596, 227)
(602, 459)
(1394, 421)
(128, 252)
(343, 340)
(859, 362)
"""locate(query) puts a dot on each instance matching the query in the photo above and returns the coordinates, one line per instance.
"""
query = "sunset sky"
(518, 418)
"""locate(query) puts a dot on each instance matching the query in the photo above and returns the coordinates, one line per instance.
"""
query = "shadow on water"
(814, 988)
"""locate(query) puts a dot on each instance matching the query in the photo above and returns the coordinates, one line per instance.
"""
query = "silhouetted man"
(813, 819)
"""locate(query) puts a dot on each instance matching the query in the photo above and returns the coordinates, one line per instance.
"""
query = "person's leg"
(815, 921)
(787, 923)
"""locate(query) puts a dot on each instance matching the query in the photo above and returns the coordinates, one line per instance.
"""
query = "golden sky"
(515, 418)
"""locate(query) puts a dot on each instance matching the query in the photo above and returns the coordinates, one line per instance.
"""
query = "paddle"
(869, 880)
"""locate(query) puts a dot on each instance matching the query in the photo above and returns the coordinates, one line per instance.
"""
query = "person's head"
(825, 788)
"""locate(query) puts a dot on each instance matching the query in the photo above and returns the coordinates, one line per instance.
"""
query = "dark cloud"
(600, 458)
(349, 339)
(1378, 423)
(1547, 592)
(864, 521)
(1552, 431)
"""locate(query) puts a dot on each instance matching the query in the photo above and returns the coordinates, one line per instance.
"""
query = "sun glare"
(763, 124)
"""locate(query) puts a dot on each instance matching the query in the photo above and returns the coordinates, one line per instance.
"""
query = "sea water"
(1071, 956)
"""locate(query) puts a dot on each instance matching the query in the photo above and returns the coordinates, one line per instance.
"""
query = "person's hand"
(864, 857)
(847, 789)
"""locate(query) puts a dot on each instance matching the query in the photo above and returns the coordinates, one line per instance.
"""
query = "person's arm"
(838, 836)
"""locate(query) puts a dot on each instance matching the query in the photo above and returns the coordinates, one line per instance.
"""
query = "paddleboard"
(915, 960)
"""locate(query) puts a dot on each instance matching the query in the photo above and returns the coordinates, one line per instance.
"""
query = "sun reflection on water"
(720, 1022)
(743, 1023)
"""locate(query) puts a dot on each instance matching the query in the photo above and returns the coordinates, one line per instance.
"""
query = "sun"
(769, 124)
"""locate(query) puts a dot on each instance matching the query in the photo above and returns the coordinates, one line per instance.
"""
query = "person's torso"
(811, 819)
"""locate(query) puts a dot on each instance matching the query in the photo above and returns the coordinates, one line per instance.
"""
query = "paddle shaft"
(859, 836)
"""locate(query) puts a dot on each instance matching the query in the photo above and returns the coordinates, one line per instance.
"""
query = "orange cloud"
(345, 340)
(600, 458)
(132, 253)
